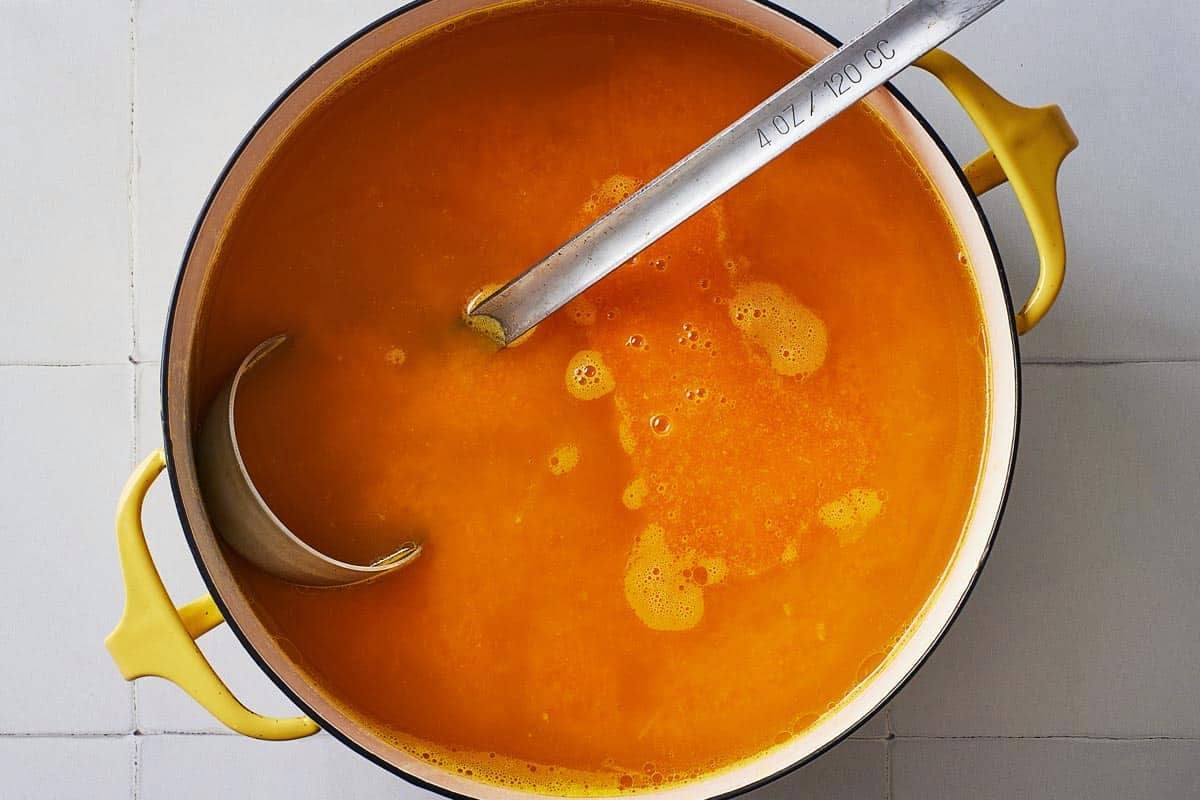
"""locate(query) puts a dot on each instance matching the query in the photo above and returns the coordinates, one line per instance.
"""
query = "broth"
(693, 510)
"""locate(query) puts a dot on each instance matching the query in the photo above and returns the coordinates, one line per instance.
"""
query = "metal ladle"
(240, 514)
(243, 519)
(833, 85)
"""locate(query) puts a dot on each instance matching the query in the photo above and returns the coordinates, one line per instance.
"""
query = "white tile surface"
(64, 455)
(316, 767)
(1128, 192)
(75, 768)
(161, 706)
(64, 164)
(1031, 769)
(1087, 617)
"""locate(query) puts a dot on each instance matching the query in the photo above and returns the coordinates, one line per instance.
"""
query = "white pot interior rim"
(925, 632)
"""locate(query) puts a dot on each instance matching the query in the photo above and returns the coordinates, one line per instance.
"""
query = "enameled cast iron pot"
(156, 638)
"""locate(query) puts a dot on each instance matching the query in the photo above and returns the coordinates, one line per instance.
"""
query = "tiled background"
(1075, 669)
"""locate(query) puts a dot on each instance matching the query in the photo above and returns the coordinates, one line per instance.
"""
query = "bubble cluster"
(635, 494)
(793, 336)
(615, 189)
(588, 377)
(507, 771)
(851, 513)
(715, 569)
(563, 459)
(692, 338)
(663, 598)
(396, 356)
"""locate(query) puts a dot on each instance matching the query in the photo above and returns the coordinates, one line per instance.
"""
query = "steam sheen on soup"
(686, 515)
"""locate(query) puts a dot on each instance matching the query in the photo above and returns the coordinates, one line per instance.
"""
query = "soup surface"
(688, 514)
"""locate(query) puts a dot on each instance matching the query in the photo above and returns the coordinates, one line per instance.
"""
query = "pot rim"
(306, 707)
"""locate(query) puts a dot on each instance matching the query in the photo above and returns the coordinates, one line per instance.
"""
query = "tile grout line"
(66, 735)
(887, 769)
(135, 776)
(1067, 737)
(887, 753)
(169, 732)
(1107, 362)
(131, 186)
(66, 364)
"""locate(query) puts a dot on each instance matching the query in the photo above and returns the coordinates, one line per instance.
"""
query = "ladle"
(241, 515)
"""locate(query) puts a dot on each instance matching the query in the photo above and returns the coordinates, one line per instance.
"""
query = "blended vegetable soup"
(689, 513)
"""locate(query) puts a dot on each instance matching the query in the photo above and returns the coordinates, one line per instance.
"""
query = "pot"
(156, 638)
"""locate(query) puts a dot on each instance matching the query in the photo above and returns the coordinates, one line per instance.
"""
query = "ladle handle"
(156, 638)
(834, 84)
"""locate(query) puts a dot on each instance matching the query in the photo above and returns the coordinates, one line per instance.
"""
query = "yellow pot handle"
(155, 638)
(1028, 146)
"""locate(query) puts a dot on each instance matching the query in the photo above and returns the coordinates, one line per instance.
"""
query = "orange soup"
(690, 512)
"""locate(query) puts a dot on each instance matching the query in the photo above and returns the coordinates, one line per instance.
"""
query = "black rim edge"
(336, 732)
